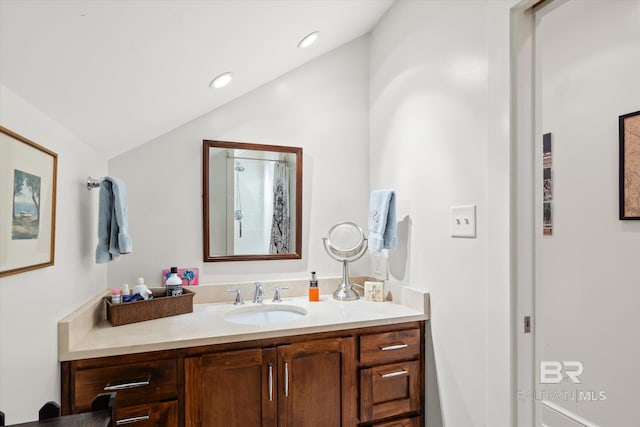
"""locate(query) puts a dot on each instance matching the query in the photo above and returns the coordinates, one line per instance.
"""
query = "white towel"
(382, 220)
(113, 233)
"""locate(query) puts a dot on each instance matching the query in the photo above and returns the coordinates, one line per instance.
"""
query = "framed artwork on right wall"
(629, 173)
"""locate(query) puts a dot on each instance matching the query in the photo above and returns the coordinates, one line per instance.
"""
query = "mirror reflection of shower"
(237, 213)
(259, 203)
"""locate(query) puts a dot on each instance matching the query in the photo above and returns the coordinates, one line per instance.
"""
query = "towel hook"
(92, 183)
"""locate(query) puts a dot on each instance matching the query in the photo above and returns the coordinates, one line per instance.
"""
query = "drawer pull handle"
(132, 420)
(125, 386)
(395, 374)
(270, 383)
(394, 347)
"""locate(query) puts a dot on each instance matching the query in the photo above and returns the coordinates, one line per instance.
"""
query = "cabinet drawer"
(134, 383)
(163, 414)
(389, 390)
(404, 422)
(389, 347)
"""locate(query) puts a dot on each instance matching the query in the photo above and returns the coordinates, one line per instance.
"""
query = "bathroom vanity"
(354, 363)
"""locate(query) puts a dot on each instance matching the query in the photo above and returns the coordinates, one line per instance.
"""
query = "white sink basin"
(265, 314)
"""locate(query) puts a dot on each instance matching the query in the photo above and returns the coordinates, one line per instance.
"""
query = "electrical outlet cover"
(379, 265)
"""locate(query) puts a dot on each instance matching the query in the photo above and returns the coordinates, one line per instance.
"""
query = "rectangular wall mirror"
(252, 201)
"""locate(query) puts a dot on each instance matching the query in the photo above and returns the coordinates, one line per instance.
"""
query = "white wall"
(588, 293)
(322, 107)
(32, 303)
(439, 93)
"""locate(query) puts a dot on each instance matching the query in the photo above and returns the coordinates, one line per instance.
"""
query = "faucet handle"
(238, 296)
(276, 295)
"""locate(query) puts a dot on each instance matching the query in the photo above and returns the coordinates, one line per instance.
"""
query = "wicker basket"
(159, 306)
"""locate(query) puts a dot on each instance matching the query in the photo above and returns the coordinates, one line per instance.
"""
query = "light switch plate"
(463, 221)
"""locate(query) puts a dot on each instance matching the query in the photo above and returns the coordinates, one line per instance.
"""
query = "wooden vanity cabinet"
(372, 376)
(303, 384)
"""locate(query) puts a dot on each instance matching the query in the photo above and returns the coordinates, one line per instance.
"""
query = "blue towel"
(113, 233)
(382, 220)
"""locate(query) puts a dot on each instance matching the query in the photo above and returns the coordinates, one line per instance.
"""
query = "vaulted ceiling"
(119, 73)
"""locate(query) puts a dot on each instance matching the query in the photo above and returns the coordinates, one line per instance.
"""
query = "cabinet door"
(231, 389)
(317, 384)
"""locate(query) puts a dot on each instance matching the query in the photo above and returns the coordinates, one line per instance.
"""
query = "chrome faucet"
(257, 299)
(276, 295)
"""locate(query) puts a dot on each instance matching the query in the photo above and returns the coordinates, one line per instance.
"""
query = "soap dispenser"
(314, 292)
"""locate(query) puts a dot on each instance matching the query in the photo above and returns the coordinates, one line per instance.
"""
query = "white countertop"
(206, 325)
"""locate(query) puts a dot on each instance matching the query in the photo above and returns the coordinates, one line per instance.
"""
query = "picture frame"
(189, 276)
(28, 178)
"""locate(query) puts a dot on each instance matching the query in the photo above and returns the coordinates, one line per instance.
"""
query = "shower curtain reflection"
(280, 230)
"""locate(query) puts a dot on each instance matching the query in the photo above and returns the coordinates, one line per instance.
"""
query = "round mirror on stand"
(345, 242)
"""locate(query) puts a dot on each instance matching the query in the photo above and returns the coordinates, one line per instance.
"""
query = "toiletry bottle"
(116, 297)
(314, 292)
(142, 289)
(174, 283)
(125, 290)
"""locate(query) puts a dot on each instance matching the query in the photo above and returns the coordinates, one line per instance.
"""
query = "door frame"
(523, 223)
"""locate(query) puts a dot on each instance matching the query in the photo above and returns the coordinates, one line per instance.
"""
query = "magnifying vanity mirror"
(345, 242)
(252, 201)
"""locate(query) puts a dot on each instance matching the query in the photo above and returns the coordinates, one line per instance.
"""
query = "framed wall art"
(28, 173)
(629, 173)
(547, 186)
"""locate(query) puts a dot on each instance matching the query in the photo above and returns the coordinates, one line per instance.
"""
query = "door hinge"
(527, 324)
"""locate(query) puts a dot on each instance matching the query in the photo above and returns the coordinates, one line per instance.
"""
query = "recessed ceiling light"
(221, 81)
(309, 39)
